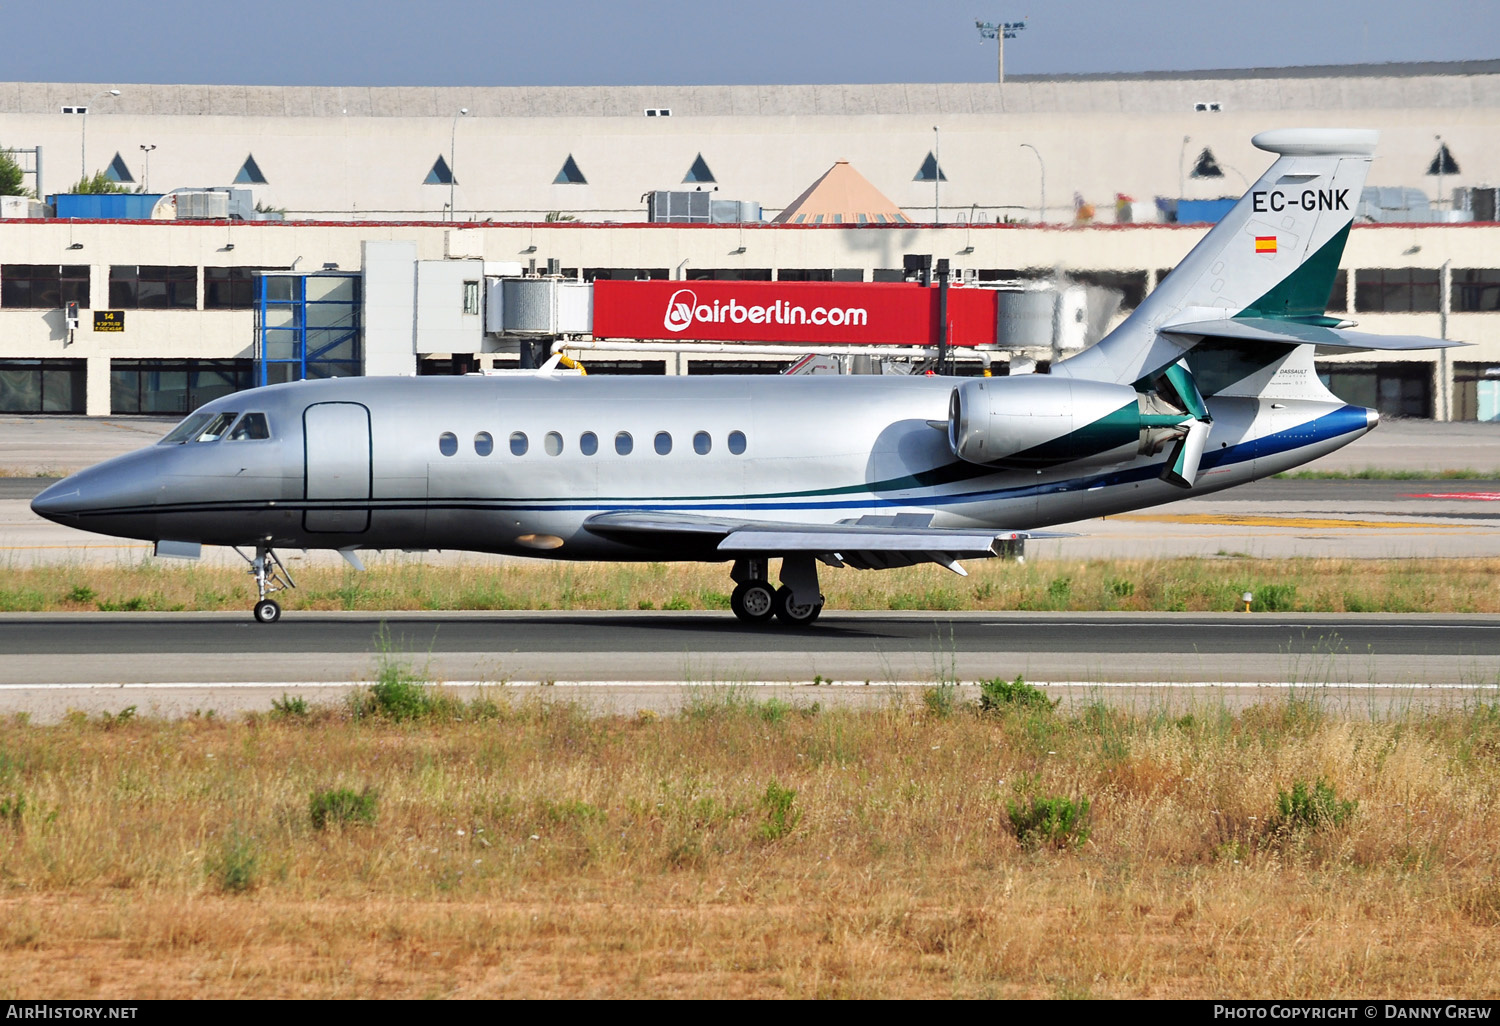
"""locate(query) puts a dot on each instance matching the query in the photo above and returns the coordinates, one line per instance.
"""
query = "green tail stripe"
(1304, 292)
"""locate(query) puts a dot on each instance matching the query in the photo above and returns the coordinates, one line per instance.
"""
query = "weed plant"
(340, 806)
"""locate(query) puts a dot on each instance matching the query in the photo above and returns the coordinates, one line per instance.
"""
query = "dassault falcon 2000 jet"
(1209, 383)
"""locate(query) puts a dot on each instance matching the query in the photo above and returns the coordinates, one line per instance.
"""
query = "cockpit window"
(216, 428)
(187, 430)
(252, 427)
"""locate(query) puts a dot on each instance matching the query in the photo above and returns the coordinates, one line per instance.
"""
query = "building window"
(1395, 389)
(699, 172)
(1338, 299)
(441, 173)
(626, 274)
(229, 288)
(1396, 290)
(1476, 289)
(249, 172)
(929, 171)
(570, 174)
(651, 112)
(174, 386)
(1130, 284)
(153, 287)
(119, 172)
(41, 386)
(471, 297)
(728, 274)
(43, 286)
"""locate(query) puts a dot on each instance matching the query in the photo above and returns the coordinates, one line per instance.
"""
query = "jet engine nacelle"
(1041, 421)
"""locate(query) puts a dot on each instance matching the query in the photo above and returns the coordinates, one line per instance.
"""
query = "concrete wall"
(362, 154)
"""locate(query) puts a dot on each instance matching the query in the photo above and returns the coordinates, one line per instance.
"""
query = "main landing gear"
(271, 576)
(796, 603)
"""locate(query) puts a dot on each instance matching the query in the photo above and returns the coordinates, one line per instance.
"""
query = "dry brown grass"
(393, 583)
(531, 848)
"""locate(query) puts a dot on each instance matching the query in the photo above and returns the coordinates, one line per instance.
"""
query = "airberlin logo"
(683, 309)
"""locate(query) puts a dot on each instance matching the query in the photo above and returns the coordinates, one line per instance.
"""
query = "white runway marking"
(810, 685)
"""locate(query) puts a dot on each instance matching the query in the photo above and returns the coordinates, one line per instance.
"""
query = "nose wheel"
(271, 576)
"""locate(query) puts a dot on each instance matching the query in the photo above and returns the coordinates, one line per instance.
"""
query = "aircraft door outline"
(337, 464)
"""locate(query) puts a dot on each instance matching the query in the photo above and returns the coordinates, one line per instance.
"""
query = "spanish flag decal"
(1265, 244)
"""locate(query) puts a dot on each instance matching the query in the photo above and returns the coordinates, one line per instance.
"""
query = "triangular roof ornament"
(118, 171)
(929, 171)
(1206, 166)
(441, 173)
(699, 172)
(249, 173)
(1443, 162)
(570, 174)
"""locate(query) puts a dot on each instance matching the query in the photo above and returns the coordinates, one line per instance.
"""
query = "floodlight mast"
(999, 31)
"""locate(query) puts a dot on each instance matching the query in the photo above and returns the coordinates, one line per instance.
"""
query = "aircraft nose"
(59, 502)
(118, 486)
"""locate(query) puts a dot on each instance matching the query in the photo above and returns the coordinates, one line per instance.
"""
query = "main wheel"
(267, 611)
(753, 601)
(792, 614)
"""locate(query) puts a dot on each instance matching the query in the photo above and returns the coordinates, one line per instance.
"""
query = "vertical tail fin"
(1274, 255)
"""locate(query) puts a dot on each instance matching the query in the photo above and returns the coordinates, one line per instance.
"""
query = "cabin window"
(663, 443)
(702, 443)
(737, 442)
(624, 443)
(187, 429)
(216, 428)
(251, 428)
(553, 443)
(518, 443)
(484, 443)
(588, 443)
(448, 443)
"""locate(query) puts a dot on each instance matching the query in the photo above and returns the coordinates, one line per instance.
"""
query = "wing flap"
(1266, 329)
(860, 545)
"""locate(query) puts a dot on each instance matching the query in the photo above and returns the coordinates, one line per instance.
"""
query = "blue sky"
(708, 42)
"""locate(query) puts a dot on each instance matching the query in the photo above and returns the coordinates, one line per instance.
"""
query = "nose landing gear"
(271, 576)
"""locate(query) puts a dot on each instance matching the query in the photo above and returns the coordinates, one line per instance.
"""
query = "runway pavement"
(229, 661)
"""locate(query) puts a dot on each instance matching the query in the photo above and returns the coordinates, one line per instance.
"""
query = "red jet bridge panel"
(799, 312)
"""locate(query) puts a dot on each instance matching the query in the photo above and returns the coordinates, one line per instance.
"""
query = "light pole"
(999, 32)
(937, 173)
(1182, 166)
(1041, 211)
(146, 176)
(83, 133)
(452, 161)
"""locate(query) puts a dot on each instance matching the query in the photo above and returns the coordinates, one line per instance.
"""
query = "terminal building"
(284, 232)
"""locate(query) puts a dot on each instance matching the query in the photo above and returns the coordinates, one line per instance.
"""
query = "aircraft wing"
(869, 543)
(1267, 329)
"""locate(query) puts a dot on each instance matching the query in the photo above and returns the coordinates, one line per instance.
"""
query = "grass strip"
(1147, 585)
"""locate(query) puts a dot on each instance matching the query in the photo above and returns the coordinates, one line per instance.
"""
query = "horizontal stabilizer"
(1268, 329)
